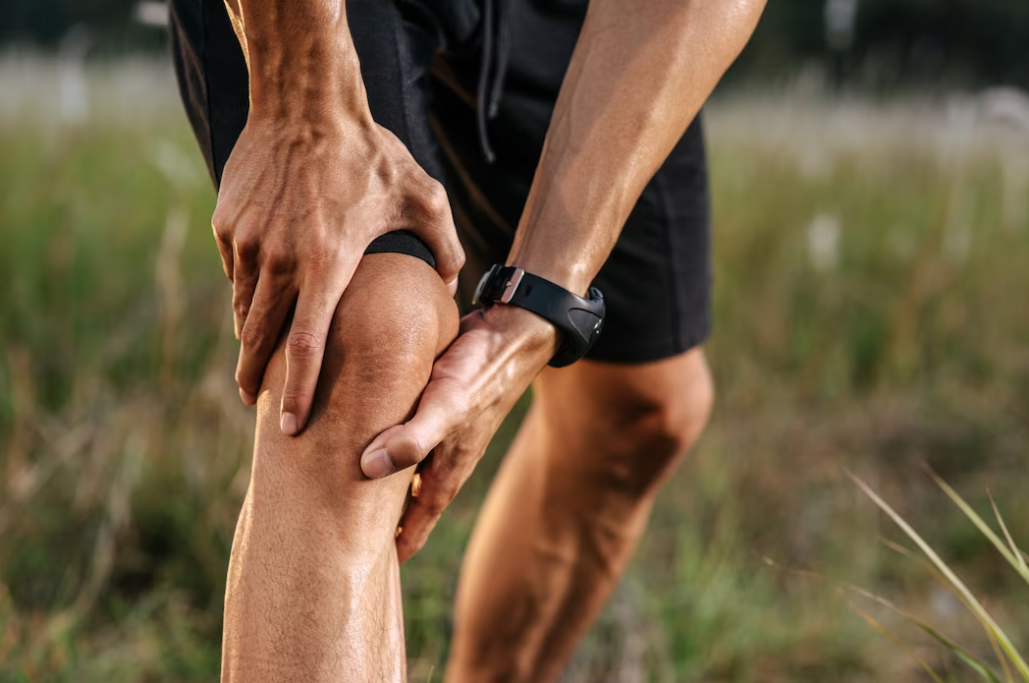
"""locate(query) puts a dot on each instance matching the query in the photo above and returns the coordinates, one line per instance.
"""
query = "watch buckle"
(511, 286)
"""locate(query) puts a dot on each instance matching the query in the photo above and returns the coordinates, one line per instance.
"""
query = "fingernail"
(378, 464)
(248, 399)
(288, 424)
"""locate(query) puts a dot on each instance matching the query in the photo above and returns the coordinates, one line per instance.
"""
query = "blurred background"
(870, 163)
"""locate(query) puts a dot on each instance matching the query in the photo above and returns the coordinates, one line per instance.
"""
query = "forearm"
(639, 75)
(302, 62)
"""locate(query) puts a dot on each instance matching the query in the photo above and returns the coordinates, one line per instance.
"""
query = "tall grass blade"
(901, 550)
(1013, 558)
(1022, 568)
(1001, 658)
(899, 643)
(962, 653)
(977, 609)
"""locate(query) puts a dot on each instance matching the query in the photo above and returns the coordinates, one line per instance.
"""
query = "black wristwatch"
(578, 320)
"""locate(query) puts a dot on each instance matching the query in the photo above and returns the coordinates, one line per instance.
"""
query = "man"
(569, 147)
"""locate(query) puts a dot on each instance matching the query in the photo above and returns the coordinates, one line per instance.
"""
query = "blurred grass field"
(872, 312)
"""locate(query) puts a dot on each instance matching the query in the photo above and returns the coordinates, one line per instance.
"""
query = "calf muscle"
(313, 587)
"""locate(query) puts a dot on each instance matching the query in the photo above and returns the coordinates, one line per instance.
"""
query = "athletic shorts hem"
(639, 354)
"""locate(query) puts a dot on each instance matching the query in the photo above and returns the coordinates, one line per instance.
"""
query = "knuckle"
(304, 344)
(435, 199)
(458, 256)
(219, 223)
(247, 246)
(291, 399)
(408, 450)
(278, 261)
(252, 337)
(439, 502)
(223, 224)
(222, 234)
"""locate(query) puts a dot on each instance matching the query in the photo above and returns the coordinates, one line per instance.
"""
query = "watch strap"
(578, 319)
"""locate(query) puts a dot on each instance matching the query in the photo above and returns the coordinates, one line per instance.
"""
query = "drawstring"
(489, 94)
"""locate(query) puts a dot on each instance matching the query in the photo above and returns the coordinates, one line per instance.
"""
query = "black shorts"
(430, 67)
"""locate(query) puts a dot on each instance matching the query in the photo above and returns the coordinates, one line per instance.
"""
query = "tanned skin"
(313, 590)
(313, 582)
(639, 75)
(311, 181)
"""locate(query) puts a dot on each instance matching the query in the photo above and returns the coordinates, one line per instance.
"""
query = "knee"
(665, 412)
(393, 320)
(679, 410)
(640, 420)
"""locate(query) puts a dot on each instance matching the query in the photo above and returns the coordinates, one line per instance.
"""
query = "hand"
(473, 386)
(298, 205)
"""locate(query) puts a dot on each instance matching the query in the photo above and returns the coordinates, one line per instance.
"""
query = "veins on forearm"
(301, 59)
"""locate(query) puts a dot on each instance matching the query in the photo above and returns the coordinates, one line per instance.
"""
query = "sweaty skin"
(311, 181)
(313, 590)
(313, 581)
(639, 74)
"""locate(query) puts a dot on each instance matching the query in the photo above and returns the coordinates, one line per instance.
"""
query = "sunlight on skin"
(314, 586)
(659, 66)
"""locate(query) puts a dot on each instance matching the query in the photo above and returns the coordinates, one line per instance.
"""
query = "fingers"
(433, 487)
(224, 244)
(260, 333)
(244, 283)
(419, 520)
(438, 415)
(434, 224)
(305, 346)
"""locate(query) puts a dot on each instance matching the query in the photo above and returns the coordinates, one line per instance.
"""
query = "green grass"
(1008, 656)
(125, 450)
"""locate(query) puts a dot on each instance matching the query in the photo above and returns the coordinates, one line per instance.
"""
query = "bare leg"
(567, 509)
(313, 586)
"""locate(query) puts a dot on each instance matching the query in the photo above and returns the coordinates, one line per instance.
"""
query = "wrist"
(316, 132)
(565, 267)
(317, 80)
(530, 335)
(574, 277)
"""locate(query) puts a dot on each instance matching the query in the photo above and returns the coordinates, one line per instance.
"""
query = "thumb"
(408, 444)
